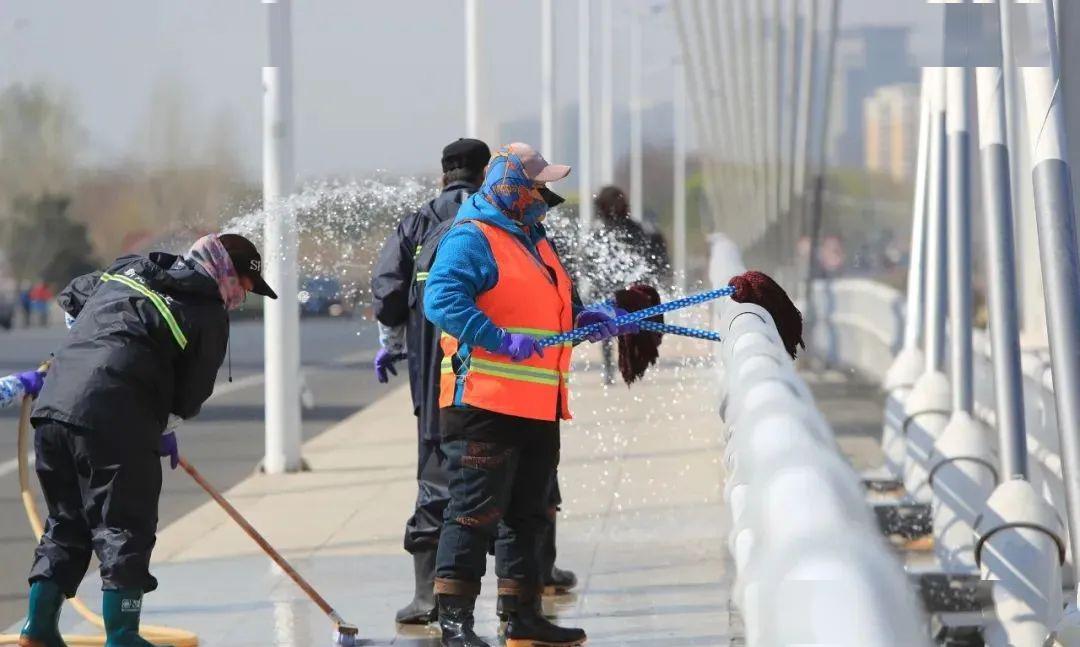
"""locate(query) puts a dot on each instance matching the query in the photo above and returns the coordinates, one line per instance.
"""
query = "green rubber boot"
(121, 611)
(42, 628)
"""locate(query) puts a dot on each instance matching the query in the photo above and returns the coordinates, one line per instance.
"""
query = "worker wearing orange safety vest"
(496, 288)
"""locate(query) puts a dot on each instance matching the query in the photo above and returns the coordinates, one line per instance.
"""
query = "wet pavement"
(642, 525)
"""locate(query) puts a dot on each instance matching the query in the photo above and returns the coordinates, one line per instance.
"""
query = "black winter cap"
(471, 154)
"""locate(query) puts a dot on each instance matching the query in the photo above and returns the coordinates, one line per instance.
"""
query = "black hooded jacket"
(394, 288)
(149, 337)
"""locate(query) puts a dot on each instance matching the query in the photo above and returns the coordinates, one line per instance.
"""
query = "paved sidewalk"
(642, 525)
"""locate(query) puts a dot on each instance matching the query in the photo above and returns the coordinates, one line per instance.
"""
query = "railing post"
(1055, 215)
(962, 474)
(909, 363)
(928, 406)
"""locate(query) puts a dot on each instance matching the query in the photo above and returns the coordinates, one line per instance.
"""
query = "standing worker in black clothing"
(148, 338)
(401, 324)
(404, 332)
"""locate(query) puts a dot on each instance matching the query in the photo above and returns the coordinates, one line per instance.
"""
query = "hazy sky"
(379, 83)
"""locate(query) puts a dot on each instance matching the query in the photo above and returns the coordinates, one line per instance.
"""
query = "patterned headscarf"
(211, 255)
(510, 191)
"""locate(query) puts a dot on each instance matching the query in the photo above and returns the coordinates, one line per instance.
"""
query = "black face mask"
(551, 198)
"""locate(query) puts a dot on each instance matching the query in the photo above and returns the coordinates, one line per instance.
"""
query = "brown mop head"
(760, 289)
(638, 352)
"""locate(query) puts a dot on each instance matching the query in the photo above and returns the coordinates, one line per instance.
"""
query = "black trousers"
(433, 493)
(102, 494)
(502, 472)
(423, 528)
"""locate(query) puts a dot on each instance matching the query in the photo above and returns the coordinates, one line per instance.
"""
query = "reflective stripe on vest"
(509, 370)
(157, 300)
(528, 299)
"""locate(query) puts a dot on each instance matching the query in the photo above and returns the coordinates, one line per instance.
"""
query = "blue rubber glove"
(170, 447)
(519, 347)
(589, 316)
(32, 382)
(384, 364)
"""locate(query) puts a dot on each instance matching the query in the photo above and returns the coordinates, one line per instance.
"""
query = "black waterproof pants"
(433, 493)
(102, 495)
(501, 470)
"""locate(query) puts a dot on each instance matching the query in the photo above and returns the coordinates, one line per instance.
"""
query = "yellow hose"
(157, 635)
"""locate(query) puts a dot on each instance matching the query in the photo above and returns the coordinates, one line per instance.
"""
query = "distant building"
(891, 126)
(868, 58)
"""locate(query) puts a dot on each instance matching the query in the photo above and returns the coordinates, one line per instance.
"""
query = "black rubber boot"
(421, 610)
(556, 580)
(456, 621)
(559, 581)
(527, 627)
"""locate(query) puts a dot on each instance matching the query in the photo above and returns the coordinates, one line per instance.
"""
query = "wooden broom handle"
(258, 539)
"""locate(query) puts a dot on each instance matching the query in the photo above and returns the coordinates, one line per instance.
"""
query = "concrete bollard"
(766, 440)
(1021, 548)
(838, 588)
(929, 407)
(898, 383)
(800, 493)
(961, 479)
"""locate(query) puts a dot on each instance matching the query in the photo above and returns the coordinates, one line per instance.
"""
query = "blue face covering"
(510, 191)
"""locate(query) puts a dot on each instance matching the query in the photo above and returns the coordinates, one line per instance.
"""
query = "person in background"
(14, 388)
(404, 333)
(146, 342)
(658, 250)
(496, 288)
(626, 236)
(27, 306)
(40, 297)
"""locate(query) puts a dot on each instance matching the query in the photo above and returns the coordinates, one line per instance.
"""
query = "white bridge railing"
(812, 566)
(859, 325)
(948, 460)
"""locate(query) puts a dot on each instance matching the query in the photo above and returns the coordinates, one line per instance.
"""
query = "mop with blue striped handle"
(639, 351)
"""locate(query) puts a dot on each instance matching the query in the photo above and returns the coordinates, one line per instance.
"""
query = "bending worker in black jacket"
(148, 338)
(405, 332)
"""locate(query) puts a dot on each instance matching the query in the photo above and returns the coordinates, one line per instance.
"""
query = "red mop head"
(638, 352)
(760, 289)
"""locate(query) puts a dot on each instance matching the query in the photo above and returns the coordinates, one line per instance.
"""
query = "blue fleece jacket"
(465, 268)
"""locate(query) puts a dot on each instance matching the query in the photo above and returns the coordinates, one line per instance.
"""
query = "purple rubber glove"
(519, 347)
(170, 447)
(384, 364)
(32, 382)
(589, 316)
(630, 328)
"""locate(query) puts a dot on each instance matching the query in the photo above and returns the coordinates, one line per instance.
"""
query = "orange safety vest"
(527, 298)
